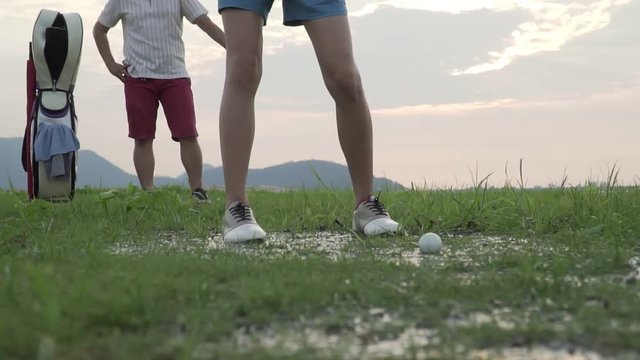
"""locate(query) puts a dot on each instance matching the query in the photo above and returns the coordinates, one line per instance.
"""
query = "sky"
(458, 90)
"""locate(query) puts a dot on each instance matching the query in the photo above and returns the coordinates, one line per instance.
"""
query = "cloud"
(277, 38)
(550, 25)
(442, 109)
(623, 97)
(410, 62)
(203, 60)
(29, 9)
(553, 25)
(364, 8)
(407, 61)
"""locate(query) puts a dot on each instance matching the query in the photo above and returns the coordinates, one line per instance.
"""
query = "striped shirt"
(153, 45)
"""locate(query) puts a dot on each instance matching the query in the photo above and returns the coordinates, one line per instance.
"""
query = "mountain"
(300, 174)
(11, 173)
(96, 171)
(93, 169)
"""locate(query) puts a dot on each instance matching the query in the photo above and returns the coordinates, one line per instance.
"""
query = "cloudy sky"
(454, 87)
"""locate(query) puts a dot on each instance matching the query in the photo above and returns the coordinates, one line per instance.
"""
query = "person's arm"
(211, 29)
(102, 42)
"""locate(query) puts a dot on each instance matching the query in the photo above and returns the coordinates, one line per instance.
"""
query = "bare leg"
(191, 156)
(243, 31)
(331, 40)
(144, 162)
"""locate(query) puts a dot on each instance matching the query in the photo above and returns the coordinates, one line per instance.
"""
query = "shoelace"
(241, 212)
(376, 206)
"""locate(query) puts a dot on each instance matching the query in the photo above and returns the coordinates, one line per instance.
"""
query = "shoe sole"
(378, 227)
(241, 235)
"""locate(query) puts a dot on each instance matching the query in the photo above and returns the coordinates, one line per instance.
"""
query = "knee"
(345, 84)
(244, 71)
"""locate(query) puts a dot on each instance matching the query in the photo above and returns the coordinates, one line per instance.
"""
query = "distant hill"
(96, 171)
(93, 169)
(300, 174)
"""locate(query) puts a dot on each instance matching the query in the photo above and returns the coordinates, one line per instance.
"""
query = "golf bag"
(50, 145)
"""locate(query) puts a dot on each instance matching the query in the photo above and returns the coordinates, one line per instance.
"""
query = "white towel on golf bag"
(52, 142)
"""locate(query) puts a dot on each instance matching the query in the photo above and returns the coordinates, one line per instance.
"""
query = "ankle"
(234, 200)
(360, 201)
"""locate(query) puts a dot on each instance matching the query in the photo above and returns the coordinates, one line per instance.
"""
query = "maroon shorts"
(142, 98)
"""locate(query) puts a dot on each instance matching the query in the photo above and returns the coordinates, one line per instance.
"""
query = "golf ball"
(430, 243)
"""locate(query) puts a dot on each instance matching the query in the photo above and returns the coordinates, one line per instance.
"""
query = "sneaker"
(239, 225)
(371, 218)
(200, 195)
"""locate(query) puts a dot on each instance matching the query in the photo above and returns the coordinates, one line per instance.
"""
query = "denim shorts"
(295, 11)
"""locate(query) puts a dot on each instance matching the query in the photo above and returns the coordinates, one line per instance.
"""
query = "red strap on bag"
(27, 164)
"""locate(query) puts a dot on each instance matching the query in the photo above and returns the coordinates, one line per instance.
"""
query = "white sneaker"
(371, 218)
(240, 226)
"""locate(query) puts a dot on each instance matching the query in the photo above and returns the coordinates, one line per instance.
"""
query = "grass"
(124, 274)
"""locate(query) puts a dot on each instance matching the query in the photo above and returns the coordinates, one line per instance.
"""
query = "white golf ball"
(430, 243)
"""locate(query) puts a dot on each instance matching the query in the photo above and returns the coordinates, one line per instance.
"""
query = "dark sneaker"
(239, 225)
(200, 195)
(371, 218)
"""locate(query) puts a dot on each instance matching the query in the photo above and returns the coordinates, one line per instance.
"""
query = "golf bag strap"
(74, 30)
